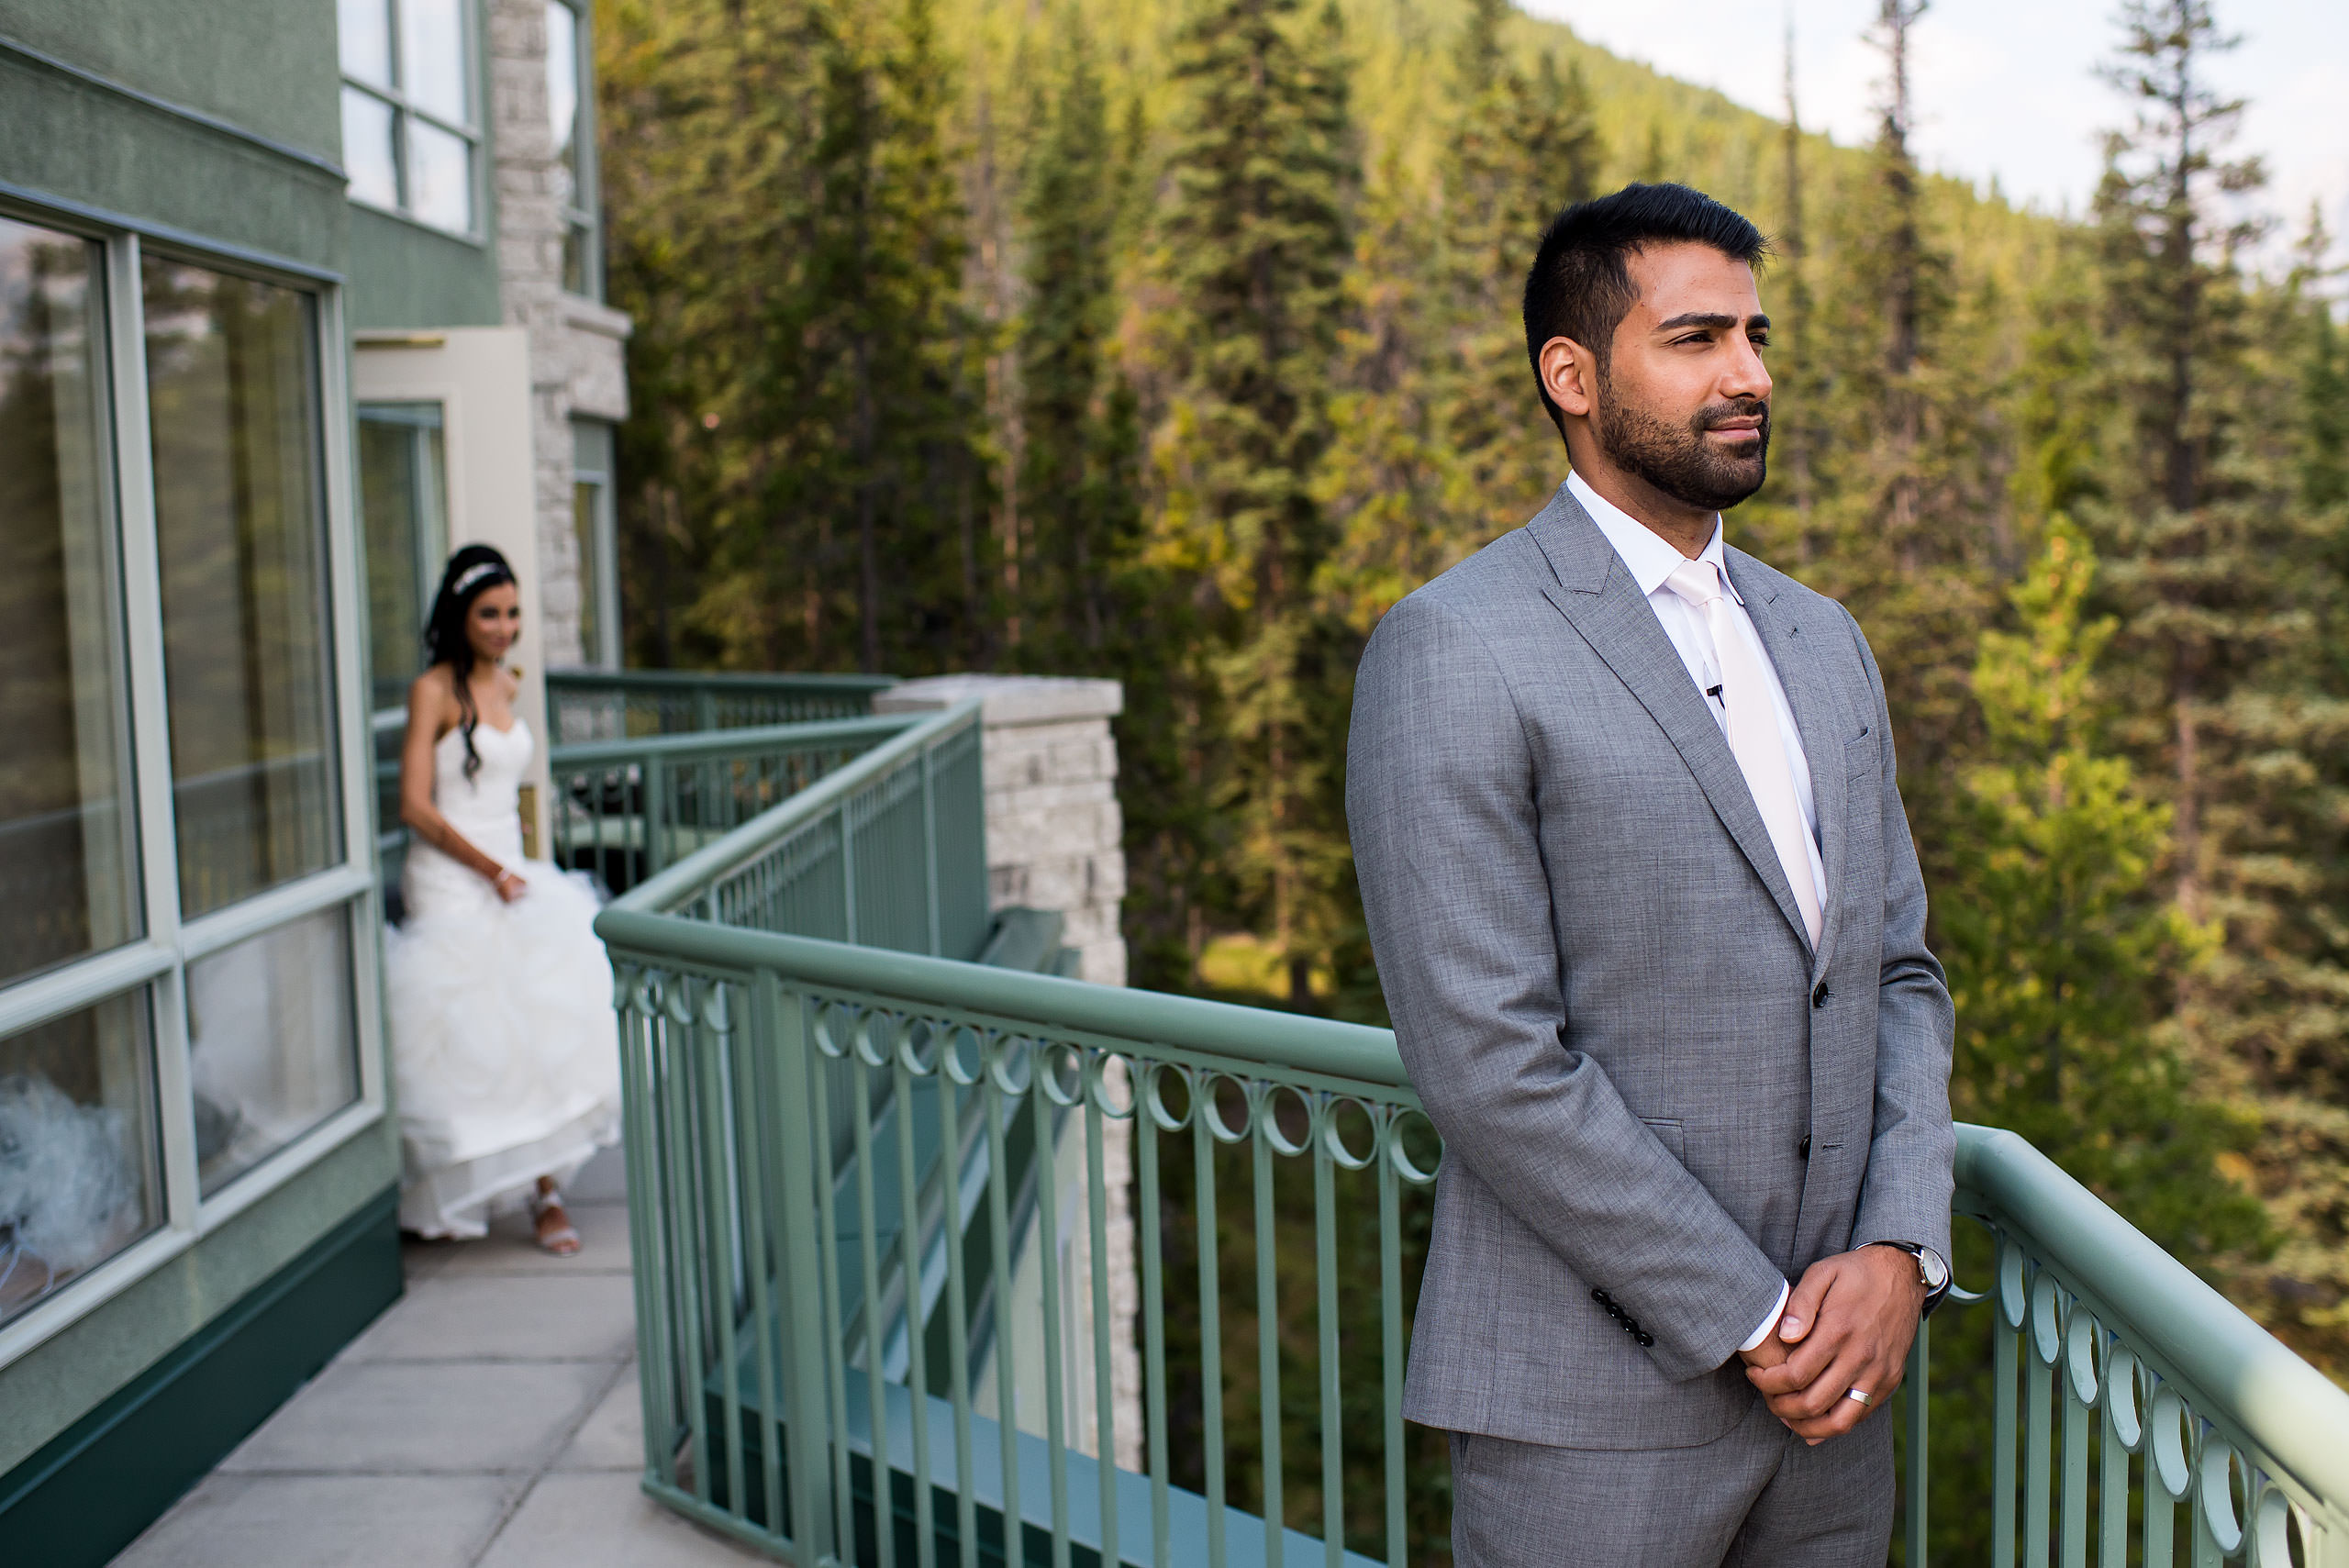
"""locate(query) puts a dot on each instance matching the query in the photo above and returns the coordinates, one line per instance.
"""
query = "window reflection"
(403, 501)
(272, 1051)
(232, 392)
(80, 1175)
(68, 879)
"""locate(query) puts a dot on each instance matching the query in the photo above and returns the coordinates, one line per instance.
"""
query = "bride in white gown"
(504, 1052)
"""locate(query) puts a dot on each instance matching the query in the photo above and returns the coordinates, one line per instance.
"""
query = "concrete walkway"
(488, 1421)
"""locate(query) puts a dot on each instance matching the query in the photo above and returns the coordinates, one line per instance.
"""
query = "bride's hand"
(509, 885)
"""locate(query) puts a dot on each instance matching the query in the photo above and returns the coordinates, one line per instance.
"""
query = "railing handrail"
(676, 884)
(700, 743)
(2279, 1402)
(742, 680)
(1357, 1052)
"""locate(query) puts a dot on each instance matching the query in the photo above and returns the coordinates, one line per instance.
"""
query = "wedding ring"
(1862, 1395)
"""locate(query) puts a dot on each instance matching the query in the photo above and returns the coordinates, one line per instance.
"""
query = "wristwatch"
(1933, 1272)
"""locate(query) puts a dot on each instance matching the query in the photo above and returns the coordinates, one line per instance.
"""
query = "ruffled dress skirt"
(504, 1046)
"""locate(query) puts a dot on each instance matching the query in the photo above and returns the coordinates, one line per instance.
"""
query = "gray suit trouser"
(1756, 1495)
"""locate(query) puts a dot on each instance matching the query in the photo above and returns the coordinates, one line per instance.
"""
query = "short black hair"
(1580, 284)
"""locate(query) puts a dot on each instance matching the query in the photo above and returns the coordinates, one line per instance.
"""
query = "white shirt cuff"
(1777, 1309)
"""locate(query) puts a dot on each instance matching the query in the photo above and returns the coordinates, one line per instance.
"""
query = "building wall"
(266, 66)
(577, 345)
(213, 123)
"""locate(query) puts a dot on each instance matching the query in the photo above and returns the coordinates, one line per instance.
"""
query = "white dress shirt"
(1651, 561)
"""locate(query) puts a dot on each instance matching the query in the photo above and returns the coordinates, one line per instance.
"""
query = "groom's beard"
(1676, 459)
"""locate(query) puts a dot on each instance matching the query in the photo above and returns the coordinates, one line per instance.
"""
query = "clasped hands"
(1848, 1324)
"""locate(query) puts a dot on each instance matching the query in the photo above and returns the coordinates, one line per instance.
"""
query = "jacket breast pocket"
(1863, 753)
(1667, 1133)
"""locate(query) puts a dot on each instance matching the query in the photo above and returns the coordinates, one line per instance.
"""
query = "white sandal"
(564, 1239)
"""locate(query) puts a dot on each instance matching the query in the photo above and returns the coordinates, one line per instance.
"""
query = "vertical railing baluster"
(756, 1114)
(835, 1343)
(1007, 1387)
(930, 849)
(1210, 1315)
(1390, 1328)
(958, 1322)
(1268, 1328)
(783, 1016)
(876, 1392)
(2006, 1344)
(1325, 1274)
(2073, 1549)
(2038, 1453)
(647, 1240)
(1916, 1396)
(1153, 1310)
(708, 1044)
(655, 778)
(848, 869)
(909, 1250)
(686, 1215)
(1105, 1396)
(1048, 1256)
(2112, 1479)
(2161, 1516)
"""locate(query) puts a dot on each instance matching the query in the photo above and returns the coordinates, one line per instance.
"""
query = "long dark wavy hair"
(471, 573)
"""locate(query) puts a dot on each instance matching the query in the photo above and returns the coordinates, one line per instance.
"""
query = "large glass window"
(593, 525)
(232, 394)
(68, 877)
(403, 506)
(80, 1174)
(411, 135)
(570, 111)
(271, 1049)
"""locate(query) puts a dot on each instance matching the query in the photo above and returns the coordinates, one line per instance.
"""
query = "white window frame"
(396, 96)
(603, 570)
(586, 210)
(158, 961)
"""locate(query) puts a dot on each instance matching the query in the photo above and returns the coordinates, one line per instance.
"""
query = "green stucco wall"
(404, 275)
(63, 138)
(268, 65)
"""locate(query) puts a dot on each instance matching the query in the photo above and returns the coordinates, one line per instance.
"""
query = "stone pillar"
(1055, 842)
(577, 345)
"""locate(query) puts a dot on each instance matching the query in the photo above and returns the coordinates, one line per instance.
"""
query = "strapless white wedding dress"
(504, 1048)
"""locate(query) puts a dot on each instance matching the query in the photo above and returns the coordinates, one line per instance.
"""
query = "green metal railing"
(873, 1188)
(627, 809)
(620, 705)
(2127, 1390)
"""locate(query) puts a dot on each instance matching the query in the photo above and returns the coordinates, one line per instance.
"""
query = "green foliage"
(2059, 942)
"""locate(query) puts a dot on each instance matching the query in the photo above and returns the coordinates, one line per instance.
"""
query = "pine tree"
(1079, 467)
(2060, 941)
(1252, 253)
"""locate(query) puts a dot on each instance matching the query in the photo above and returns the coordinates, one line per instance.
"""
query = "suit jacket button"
(1803, 1149)
(1818, 994)
(1600, 1296)
(1647, 1341)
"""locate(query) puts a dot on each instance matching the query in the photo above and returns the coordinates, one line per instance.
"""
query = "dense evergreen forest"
(1175, 339)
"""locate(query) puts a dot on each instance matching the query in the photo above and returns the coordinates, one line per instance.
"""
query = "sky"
(2006, 89)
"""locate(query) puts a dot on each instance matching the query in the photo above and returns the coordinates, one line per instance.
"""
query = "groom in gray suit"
(1651, 927)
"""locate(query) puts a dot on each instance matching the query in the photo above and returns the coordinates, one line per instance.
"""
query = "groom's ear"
(1570, 375)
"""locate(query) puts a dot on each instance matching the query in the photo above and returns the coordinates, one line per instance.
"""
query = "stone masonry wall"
(1055, 842)
(578, 366)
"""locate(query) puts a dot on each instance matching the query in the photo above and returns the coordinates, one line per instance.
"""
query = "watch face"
(1930, 1264)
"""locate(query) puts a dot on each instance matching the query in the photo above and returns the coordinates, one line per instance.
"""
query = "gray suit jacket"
(1647, 1082)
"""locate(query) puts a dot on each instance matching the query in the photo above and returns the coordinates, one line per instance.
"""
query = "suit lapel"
(1798, 671)
(1596, 595)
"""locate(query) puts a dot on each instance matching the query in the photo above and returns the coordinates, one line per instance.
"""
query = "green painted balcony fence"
(856, 1154)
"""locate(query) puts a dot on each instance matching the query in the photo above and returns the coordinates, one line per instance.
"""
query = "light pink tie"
(1753, 732)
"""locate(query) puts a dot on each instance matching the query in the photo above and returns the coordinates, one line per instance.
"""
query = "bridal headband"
(474, 574)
